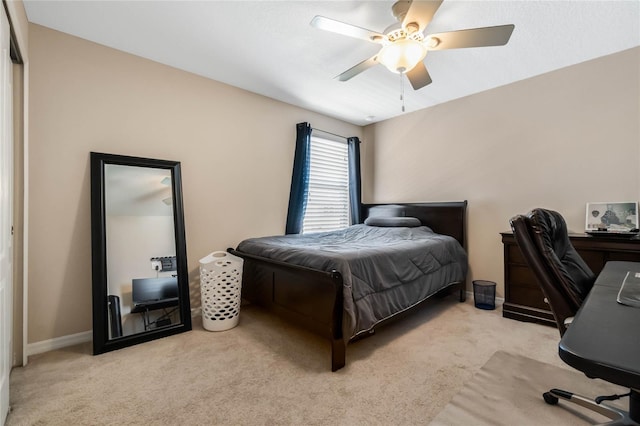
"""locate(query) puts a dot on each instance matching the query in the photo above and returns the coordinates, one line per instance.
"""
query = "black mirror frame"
(101, 341)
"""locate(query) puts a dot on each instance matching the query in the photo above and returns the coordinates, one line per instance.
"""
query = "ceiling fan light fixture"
(402, 56)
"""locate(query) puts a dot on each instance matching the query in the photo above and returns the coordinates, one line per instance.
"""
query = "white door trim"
(6, 215)
(25, 214)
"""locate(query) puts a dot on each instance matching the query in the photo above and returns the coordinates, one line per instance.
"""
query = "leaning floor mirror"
(139, 257)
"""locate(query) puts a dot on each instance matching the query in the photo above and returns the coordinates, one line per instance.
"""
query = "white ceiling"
(137, 191)
(269, 48)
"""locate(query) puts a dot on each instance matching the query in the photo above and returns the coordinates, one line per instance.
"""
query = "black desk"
(150, 305)
(146, 307)
(603, 341)
(150, 294)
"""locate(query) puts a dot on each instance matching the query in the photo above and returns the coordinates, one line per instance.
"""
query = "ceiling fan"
(405, 44)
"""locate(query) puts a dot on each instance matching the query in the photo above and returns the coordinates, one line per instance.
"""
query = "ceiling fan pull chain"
(402, 90)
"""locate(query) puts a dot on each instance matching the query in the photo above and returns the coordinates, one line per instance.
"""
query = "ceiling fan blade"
(338, 27)
(357, 69)
(421, 12)
(419, 76)
(475, 37)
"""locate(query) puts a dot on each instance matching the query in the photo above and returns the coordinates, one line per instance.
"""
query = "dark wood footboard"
(306, 296)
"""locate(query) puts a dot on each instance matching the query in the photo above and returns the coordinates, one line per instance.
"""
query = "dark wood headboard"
(447, 218)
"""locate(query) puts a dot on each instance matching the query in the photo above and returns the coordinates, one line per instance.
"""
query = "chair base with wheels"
(617, 415)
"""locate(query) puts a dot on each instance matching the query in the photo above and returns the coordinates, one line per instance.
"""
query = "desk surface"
(151, 305)
(603, 341)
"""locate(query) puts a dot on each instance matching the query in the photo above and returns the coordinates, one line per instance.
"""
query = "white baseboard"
(58, 343)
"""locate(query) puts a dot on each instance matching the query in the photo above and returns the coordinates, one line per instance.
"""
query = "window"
(332, 200)
(328, 199)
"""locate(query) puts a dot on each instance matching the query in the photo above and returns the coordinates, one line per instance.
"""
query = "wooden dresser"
(523, 299)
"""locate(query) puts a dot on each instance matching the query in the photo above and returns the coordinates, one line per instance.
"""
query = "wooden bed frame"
(313, 298)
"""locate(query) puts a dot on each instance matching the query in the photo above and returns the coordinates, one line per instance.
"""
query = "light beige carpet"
(266, 371)
(508, 391)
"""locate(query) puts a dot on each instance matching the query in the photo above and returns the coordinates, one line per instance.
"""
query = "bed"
(343, 284)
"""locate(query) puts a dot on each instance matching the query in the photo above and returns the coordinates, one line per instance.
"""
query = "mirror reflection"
(142, 281)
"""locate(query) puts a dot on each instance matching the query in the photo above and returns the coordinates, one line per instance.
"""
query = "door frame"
(6, 215)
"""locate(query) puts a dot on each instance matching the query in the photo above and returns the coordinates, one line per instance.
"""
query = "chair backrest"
(564, 277)
(115, 319)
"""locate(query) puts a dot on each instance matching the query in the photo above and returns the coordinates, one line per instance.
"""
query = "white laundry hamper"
(220, 287)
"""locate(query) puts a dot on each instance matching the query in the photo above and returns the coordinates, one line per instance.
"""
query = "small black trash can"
(484, 294)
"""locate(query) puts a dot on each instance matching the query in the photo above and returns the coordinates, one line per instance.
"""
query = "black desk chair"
(115, 318)
(565, 280)
(562, 274)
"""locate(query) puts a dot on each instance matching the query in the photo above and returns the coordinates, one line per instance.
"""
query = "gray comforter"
(385, 270)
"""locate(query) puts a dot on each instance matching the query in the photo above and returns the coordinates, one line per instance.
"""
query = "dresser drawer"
(527, 296)
(521, 276)
(515, 255)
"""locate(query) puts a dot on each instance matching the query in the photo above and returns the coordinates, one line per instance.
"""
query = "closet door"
(6, 220)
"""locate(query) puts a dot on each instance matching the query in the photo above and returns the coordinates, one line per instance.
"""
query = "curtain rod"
(329, 133)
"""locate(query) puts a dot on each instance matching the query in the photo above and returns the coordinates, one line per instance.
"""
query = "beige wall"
(557, 141)
(236, 150)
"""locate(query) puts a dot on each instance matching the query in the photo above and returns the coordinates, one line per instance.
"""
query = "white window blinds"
(328, 202)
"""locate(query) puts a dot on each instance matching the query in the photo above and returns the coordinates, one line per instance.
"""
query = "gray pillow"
(389, 210)
(410, 222)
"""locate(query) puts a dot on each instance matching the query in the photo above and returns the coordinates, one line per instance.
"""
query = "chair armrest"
(567, 321)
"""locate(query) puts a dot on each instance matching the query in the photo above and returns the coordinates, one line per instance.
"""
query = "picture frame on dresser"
(616, 217)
